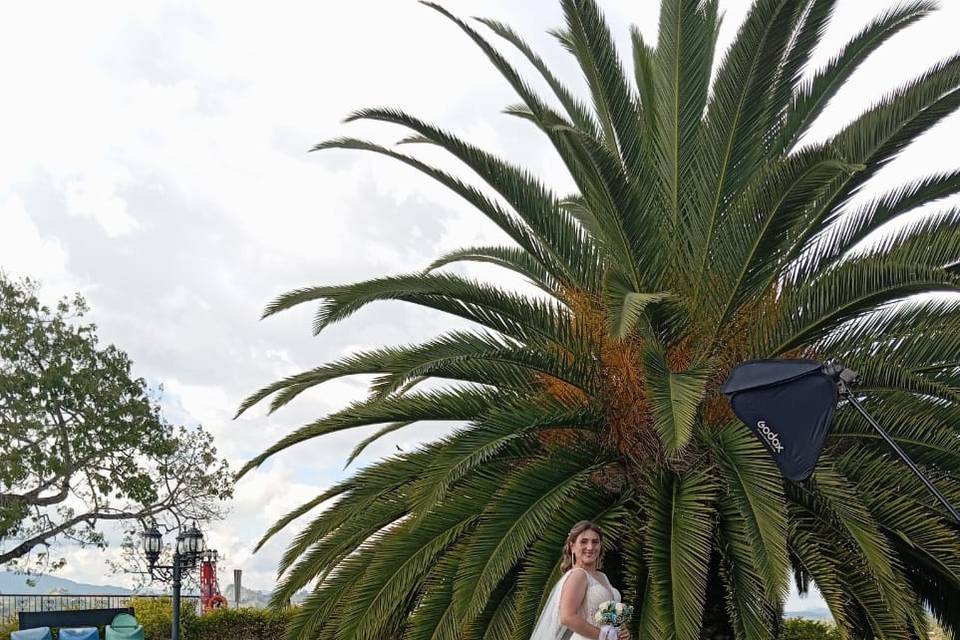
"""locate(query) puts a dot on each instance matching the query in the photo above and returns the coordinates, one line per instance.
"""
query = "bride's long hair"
(566, 563)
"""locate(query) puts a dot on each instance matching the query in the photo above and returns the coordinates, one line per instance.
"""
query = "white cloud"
(260, 501)
(25, 250)
(97, 198)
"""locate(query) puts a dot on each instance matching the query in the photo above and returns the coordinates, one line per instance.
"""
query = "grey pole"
(236, 587)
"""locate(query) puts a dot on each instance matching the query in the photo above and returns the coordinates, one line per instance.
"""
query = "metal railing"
(13, 603)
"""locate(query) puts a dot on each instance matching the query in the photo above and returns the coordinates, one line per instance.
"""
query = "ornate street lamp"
(189, 546)
(151, 544)
(190, 542)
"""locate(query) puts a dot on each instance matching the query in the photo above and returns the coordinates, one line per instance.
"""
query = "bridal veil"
(548, 627)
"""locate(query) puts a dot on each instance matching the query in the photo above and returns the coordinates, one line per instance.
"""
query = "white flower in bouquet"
(613, 613)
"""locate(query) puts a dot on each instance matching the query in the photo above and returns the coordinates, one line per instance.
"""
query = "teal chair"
(40, 633)
(124, 627)
(80, 633)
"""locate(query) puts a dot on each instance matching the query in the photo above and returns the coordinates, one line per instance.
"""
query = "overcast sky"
(154, 157)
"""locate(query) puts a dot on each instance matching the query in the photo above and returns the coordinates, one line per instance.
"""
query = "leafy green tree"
(704, 231)
(800, 629)
(81, 440)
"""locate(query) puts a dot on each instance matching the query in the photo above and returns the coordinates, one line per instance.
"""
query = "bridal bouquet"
(613, 613)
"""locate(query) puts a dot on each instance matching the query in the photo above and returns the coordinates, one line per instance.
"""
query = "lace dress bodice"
(598, 591)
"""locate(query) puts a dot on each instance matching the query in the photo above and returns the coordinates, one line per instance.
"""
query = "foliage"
(8, 626)
(704, 230)
(801, 629)
(81, 440)
(156, 616)
(241, 624)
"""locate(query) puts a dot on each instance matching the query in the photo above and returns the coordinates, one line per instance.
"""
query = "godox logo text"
(770, 435)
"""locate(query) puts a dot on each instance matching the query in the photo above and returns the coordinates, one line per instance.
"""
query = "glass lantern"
(151, 543)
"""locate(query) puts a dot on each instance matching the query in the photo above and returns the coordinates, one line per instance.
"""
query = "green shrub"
(156, 616)
(801, 629)
(241, 624)
(8, 626)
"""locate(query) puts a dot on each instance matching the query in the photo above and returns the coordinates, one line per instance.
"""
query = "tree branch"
(25, 546)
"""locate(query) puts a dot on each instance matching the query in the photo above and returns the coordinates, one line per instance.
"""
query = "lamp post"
(188, 547)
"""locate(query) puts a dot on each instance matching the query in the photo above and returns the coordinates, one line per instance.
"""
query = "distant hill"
(15, 583)
(811, 614)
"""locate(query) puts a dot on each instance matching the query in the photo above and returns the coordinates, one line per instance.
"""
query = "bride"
(568, 614)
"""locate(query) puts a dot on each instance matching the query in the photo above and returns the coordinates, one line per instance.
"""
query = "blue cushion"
(40, 633)
(81, 633)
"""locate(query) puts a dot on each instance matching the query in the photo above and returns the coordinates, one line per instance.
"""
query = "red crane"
(210, 596)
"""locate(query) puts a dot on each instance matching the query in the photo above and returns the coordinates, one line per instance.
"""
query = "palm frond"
(830, 244)
(625, 307)
(678, 546)
(502, 310)
(879, 587)
(510, 424)
(402, 564)
(290, 387)
(755, 514)
(386, 480)
(512, 258)
(588, 38)
(880, 134)
(734, 138)
(304, 509)
(816, 556)
(535, 110)
(376, 435)
(811, 24)
(579, 113)
(643, 70)
(454, 404)
(747, 602)
(433, 616)
(674, 398)
(567, 246)
(756, 233)
(684, 59)
(329, 552)
(815, 94)
(515, 228)
(851, 290)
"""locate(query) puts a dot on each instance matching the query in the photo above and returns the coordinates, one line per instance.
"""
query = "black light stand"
(845, 379)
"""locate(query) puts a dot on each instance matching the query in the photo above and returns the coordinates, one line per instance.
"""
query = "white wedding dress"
(548, 627)
(598, 592)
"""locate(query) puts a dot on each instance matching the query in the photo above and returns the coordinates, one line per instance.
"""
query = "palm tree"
(704, 231)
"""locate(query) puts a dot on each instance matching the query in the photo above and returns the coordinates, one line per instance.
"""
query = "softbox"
(789, 405)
